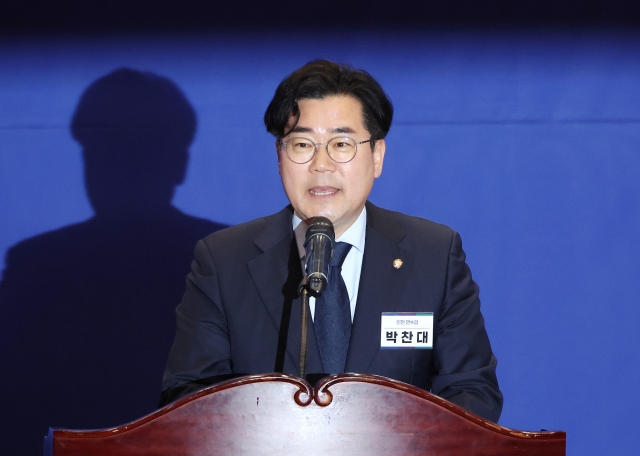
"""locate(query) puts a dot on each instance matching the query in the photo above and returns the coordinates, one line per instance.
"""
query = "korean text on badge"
(406, 330)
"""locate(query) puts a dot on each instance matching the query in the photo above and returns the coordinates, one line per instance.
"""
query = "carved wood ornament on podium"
(277, 414)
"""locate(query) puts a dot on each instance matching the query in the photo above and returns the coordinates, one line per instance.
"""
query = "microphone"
(318, 246)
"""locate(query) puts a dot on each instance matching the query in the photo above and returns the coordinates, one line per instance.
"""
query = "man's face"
(323, 187)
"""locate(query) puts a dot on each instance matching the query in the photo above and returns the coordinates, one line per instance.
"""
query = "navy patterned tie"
(332, 319)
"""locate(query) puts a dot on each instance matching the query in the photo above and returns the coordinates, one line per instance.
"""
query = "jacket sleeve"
(463, 363)
(201, 347)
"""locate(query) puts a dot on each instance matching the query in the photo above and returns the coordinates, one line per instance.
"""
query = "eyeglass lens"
(301, 150)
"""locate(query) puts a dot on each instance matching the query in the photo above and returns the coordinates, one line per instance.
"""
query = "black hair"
(319, 79)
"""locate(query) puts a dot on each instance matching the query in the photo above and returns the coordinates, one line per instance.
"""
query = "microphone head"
(320, 225)
(319, 241)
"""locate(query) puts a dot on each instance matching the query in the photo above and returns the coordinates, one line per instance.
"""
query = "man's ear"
(378, 156)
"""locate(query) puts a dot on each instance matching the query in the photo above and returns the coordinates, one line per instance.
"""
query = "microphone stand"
(320, 234)
(304, 326)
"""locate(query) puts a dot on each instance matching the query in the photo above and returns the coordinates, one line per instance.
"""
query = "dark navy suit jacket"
(241, 312)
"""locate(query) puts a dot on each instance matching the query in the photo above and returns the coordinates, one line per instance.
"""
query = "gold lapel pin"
(397, 263)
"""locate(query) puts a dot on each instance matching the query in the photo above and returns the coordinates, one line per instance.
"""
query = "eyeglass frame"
(326, 145)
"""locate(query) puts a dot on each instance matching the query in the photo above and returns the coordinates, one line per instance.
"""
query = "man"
(241, 311)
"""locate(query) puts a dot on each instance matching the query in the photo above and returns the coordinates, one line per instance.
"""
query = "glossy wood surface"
(279, 414)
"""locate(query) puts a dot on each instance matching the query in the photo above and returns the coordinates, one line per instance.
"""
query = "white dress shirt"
(355, 235)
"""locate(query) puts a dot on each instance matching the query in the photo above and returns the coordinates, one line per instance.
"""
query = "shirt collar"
(355, 234)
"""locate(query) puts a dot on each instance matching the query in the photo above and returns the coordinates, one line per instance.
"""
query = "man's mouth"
(323, 191)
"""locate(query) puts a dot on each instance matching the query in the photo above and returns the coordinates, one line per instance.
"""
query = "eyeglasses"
(341, 149)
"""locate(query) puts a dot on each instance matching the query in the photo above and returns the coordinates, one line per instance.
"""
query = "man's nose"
(321, 160)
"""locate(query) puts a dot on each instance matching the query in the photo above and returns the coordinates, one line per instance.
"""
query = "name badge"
(406, 330)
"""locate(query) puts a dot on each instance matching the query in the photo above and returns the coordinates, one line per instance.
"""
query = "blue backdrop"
(525, 143)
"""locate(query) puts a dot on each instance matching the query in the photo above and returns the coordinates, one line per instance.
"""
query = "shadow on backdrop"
(87, 311)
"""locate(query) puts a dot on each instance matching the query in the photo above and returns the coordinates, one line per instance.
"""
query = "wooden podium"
(277, 414)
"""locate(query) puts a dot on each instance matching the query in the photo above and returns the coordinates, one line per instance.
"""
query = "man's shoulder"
(409, 226)
(248, 232)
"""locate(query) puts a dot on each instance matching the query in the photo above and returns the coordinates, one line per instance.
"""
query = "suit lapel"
(277, 274)
(381, 286)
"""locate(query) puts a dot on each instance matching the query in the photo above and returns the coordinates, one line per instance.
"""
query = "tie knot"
(340, 251)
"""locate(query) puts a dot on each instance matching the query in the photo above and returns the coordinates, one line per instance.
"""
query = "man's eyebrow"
(299, 129)
(343, 130)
